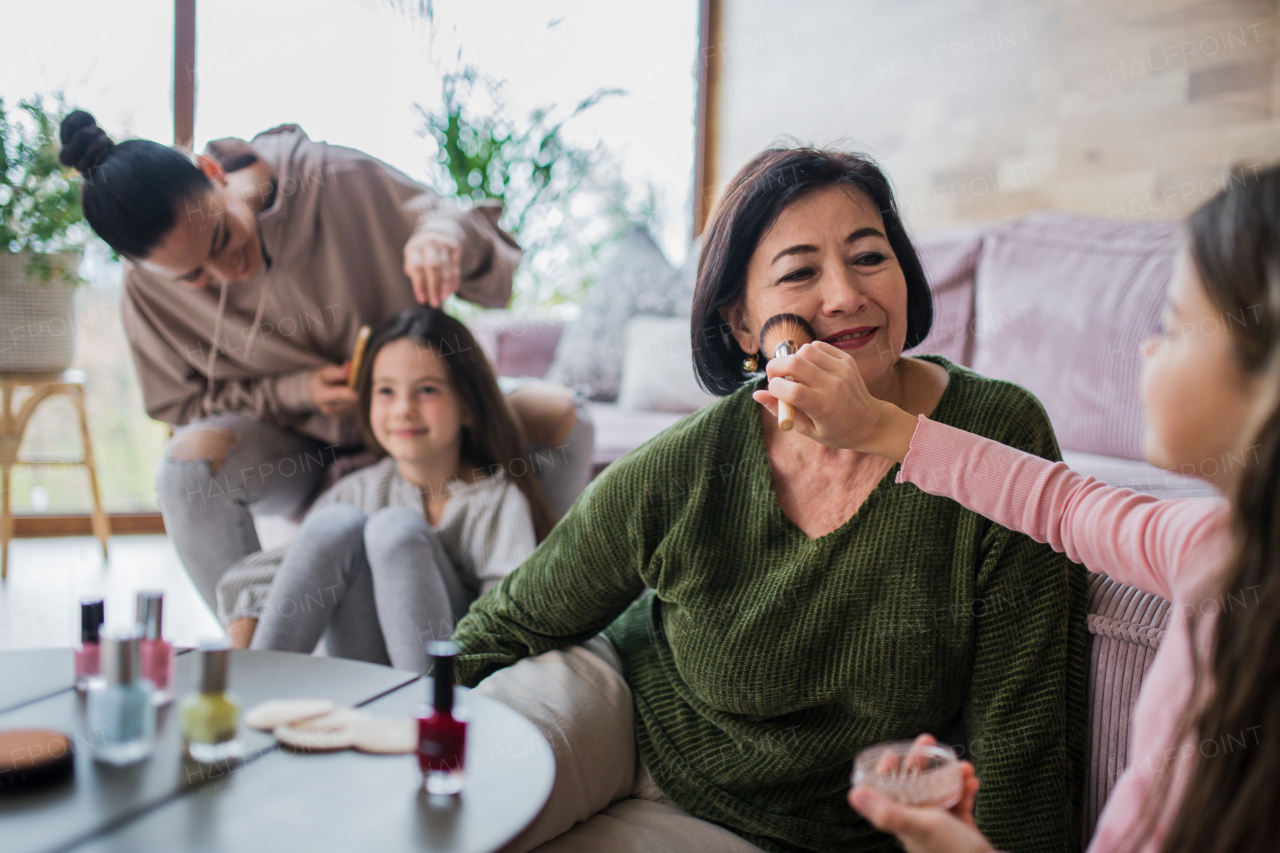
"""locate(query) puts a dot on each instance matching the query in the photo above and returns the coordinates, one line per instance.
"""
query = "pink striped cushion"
(1062, 303)
(517, 344)
(1125, 628)
(950, 258)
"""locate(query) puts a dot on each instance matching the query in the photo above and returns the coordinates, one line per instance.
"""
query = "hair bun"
(84, 144)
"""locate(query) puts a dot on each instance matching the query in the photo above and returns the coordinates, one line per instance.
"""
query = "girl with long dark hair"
(1205, 749)
(392, 554)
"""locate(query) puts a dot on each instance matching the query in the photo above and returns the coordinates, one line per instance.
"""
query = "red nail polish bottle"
(156, 651)
(92, 612)
(442, 736)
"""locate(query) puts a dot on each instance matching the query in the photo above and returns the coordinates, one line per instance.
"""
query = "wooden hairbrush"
(783, 334)
(357, 355)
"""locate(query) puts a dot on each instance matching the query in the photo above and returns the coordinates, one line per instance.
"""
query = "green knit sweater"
(761, 661)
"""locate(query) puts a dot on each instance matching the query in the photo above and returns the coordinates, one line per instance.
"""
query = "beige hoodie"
(335, 234)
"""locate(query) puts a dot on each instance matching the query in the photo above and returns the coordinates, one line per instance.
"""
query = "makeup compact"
(31, 758)
(911, 774)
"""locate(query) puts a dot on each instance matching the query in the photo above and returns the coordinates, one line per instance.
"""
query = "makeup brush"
(782, 335)
(357, 356)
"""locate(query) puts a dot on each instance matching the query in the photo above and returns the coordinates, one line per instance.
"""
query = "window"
(349, 73)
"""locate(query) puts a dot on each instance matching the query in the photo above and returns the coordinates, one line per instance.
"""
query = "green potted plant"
(562, 200)
(42, 234)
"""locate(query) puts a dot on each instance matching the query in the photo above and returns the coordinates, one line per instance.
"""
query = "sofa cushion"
(1062, 303)
(950, 260)
(657, 367)
(636, 279)
(619, 430)
(517, 344)
(1125, 628)
(1139, 476)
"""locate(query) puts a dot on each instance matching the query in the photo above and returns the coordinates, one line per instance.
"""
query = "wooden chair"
(12, 426)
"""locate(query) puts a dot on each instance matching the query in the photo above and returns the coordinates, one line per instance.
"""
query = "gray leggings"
(376, 588)
(209, 506)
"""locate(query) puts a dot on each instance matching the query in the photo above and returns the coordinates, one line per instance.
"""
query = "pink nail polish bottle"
(92, 613)
(156, 652)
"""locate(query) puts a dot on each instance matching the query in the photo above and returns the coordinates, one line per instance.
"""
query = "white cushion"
(657, 367)
(636, 279)
(1139, 476)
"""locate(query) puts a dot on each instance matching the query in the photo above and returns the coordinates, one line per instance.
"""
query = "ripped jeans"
(218, 473)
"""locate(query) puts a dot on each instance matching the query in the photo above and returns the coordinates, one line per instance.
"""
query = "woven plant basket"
(37, 318)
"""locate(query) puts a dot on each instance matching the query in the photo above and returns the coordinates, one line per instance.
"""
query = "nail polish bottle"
(120, 714)
(210, 714)
(157, 653)
(92, 615)
(442, 736)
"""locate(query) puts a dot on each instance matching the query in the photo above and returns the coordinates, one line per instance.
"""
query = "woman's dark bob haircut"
(750, 204)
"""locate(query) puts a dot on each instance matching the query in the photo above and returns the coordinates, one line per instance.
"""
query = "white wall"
(982, 109)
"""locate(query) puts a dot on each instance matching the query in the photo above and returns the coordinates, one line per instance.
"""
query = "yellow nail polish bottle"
(210, 715)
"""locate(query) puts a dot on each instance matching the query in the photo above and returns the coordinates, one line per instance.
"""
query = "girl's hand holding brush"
(832, 404)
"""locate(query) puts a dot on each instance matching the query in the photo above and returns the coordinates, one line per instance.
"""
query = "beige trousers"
(603, 798)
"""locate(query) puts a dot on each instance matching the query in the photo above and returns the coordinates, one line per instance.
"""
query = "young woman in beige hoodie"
(248, 273)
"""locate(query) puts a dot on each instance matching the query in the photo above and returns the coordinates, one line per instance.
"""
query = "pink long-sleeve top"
(1172, 548)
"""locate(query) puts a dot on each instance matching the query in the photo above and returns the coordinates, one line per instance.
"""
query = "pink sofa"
(1059, 304)
(525, 346)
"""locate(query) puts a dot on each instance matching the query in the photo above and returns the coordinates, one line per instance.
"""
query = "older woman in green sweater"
(771, 606)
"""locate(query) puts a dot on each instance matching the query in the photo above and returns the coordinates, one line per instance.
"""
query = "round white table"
(277, 799)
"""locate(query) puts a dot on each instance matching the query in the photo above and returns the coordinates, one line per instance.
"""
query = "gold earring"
(750, 364)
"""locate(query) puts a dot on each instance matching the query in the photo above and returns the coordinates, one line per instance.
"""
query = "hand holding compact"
(925, 829)
(433, 262)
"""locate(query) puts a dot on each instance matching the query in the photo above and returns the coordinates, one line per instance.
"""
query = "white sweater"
(486, 530)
